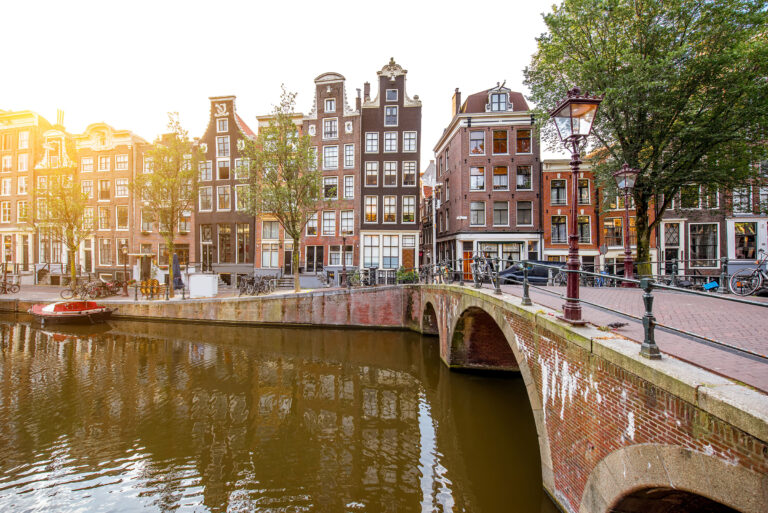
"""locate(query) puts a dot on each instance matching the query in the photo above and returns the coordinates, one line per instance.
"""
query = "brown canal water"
(137, 416)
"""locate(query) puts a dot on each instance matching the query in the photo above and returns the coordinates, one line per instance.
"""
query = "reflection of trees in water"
(262, 418)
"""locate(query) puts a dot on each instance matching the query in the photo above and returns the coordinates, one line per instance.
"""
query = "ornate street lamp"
(573, 118)
(625, 181)
(124, 251)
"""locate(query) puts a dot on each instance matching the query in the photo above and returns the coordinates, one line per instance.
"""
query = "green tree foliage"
(685, 84)
(283, 176)
(60, 213)
(168, 188)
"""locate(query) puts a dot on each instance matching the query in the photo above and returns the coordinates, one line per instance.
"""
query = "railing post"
(476, 273)
(724, 275)
(674, 272)
(526, 296)
(136, 292)
(461, 272)
(550, 277)
(649, 349)
(495, 275)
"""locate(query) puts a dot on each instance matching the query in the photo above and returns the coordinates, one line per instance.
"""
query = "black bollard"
(649, 349)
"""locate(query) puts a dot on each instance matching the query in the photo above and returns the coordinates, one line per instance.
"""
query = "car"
(537, 274)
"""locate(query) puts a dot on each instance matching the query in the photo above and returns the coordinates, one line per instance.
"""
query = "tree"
(168, 188)
(61, 212)
(283, 177)
(686, 95)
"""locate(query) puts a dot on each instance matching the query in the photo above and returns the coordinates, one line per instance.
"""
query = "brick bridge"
(617, 433)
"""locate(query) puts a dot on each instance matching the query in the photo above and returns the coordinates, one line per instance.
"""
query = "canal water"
(138, 416)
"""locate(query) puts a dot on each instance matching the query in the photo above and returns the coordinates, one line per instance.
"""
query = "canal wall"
(615, 430)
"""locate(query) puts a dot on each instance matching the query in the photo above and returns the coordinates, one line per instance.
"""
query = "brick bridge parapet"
(616, 432)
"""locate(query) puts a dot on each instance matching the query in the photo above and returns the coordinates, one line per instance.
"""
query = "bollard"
(526, 295)
(724, 289)
(136, 292)
(649, 349)
(674, 272)
(476, 273)
(550, 278)
(183, 290)
(461, 272)
(495, 275)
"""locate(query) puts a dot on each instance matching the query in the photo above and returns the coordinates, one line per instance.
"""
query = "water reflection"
(130, 415)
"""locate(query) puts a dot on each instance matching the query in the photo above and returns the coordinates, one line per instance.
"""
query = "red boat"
(71, 312)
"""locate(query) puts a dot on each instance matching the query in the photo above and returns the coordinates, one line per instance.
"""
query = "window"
(88, 217)
(390, 174)
(222, 167)
(21, 210)
(391, 251)
(121, 188)
(371, 142)
(500, 141)
(613, 232)
(742, 200)
(23, 140)
(330, 187)
(206, 198)
(371, 209)
(349, 155)
(122, 217)
(390, 142)
(5, 211)
(241, 168)
(330, 157)
(104, 215)
(390, 115)
(745, 241)
(525, 213)
(371, 174)
(524, 178)
(523, 141)
(409, 141)
(347, 222)
(223, 198)
(121, 162)
(477, 143)
(703, 244)
(334, 255)
(222, 146)
(22, 185)
(5, 141)
(558, 194)
(409, 174)
(559, 230)
(390, 209)
(206, 170)
(391, 95)
(370, 250)
(147, 165)
(710, 198)
(243, 243)
(329, 223)
(22, 162)
(498, 102)
(270, 230)
(222, 125)
(689, 196)
(349, 187)
(5, 187)
(185, 222)
(409, 209)
(105, 251)
(500, 178)
(269, 255)
(477, 213)
(584, 198)
(42, 183)
(330, 105)
(104, 193)
(331, 128)
(476, 178)
(7, 163)
(104, 161)
(226, 255)
(585, 234)
(500, 213)
(147, 220)
(312, 226)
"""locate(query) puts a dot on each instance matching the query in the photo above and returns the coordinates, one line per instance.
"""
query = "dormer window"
(330, 105)
(391, 95)
(222, 125)
(498, 102)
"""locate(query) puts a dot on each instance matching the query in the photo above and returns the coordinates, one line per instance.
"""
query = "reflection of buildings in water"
(325, 418)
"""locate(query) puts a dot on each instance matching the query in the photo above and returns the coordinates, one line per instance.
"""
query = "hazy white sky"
(129, 63)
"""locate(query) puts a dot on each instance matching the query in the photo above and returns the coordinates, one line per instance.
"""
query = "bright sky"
(129, 63)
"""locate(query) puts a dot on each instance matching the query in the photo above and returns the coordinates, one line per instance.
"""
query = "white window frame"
(493, 213)
(208, 166)
(121, 159)
(22, 162)
(402, 212)
(223, 138)
(407, 141)
(86, 161)
(390, 142)
(469, 141)
(6, 186)
(5, 212)
(312, 222)
(330, 137)
(393, 165)
(332, 102)
(335, 180)
(218, 207)
(124, 182)
(21, 185)
(239, 187)
(22, 207)
(365, 180)
(716, 259)
(349, 156)
(229, 166)
(127, 218)
(199, 199)
(350, 179)
(104, 158)
(325, 160)
(384, 208)
(485, 214)
(371, 141)
(386, 95)
(349, 216)
(24, 140)
(219, 122)
(328, 214)
(485, 179)
(99, 217)
(407, 164)
(517, 218)
(397, 115)
(365, 208)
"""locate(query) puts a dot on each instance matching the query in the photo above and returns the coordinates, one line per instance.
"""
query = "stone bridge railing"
(616, 432)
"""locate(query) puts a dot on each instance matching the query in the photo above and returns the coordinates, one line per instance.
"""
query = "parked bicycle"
(7, 287)
(748, 281)
(251, 285)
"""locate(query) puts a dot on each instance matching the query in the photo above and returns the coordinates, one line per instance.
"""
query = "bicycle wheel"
(745, 282)
(14, 288)
(560, 279)
(67, 293)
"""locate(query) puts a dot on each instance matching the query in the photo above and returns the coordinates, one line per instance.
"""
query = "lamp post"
(124, 251)
(625, 181)
(573, 118)
(343, 260)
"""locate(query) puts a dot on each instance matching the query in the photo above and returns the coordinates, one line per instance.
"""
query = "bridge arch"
(478, 342)
(429, 324)
(652, 478)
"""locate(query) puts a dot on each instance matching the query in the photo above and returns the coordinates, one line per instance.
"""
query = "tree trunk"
(643, 234)
(171, 251)
(295, 257)
(72, 267)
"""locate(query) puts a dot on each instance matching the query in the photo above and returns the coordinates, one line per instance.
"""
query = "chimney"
(367, 91)
(59, 117)
(456, 101)
(358, 101)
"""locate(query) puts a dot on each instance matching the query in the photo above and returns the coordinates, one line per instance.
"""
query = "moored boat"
(71, 312)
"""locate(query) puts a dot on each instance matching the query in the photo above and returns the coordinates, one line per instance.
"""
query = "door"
(288, 261)
(672, 248)
(25, 252)
(88, 260)
(314, 259)
(207, 257)
(409, 258)
(467, 264)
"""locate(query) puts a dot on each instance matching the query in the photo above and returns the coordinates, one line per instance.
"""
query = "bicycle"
(6, 288)
(748, 281)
